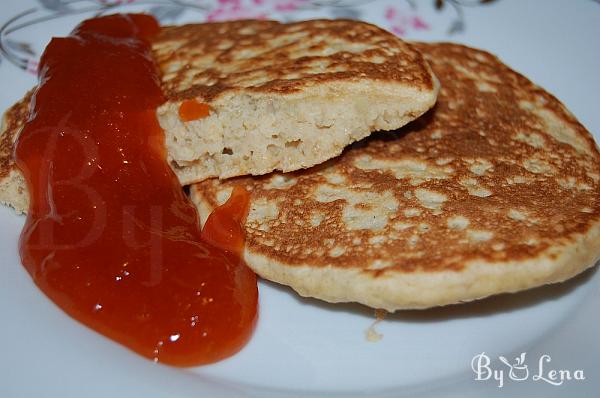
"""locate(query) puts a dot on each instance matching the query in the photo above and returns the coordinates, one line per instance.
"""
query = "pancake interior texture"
(281, 96)
(497, 189)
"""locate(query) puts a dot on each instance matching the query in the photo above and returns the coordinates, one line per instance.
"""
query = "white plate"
(304, 347)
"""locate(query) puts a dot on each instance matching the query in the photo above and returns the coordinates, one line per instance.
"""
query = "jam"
(193, 110)
(110, 236)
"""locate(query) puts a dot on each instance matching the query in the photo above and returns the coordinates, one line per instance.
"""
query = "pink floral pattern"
(227, 10)
(402, 21)
(401, 16)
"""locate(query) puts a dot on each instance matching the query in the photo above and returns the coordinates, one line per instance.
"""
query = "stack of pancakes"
(491, 186)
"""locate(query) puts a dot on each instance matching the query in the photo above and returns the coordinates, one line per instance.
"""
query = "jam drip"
(110, 237)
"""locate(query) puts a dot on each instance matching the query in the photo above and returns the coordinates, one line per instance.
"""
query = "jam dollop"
(191, 109)
(110, 236)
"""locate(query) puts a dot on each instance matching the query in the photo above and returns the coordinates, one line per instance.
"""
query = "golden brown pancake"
(283, 96)
(497, 189)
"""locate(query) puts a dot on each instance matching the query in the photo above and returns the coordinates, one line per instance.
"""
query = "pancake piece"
(283, 96)
(273, 96)
(497, 189)
(13, 189)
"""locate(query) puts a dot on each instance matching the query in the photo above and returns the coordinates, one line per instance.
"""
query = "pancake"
(13, 189)
(278, 96)
(283, 96)
(496, 189)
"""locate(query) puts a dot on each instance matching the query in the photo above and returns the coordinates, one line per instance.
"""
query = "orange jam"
(193, 110)
(110, 236)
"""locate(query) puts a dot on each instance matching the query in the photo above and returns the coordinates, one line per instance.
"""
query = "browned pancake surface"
(268, 56)
(498, 173)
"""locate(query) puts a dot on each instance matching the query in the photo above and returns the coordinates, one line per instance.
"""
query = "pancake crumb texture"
(283, 96)
(494, 190)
